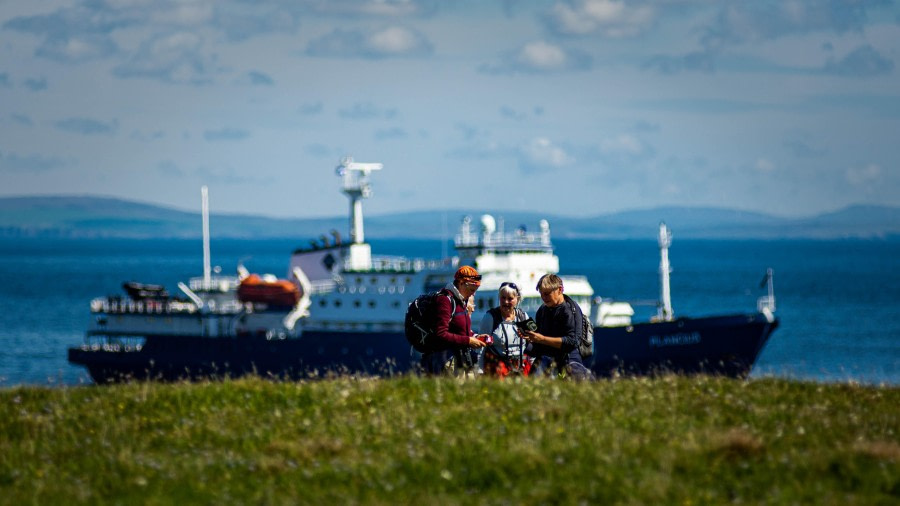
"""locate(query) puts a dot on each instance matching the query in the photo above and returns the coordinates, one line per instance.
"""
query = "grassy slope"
(410, 440)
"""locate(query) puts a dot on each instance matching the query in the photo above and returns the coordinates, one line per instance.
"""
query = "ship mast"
(356, 186)
(665, 312)
(204, 209)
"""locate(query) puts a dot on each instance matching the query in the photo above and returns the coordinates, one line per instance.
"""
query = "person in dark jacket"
(557, 335)
(453, 325)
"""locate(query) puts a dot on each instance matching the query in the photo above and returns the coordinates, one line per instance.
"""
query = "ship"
(341, 309)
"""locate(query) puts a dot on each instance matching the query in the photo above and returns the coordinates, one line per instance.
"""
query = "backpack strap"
(579, 319)
(520, 315)
(449, 295)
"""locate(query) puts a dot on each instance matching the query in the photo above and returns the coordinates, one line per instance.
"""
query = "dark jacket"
(559, 321)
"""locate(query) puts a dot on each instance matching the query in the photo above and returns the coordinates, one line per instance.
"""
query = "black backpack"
(585, 331)
(419, 322)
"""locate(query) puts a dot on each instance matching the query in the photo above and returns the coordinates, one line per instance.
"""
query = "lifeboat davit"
(274, 292)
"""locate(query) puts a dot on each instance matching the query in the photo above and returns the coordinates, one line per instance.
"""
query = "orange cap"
(468, 274)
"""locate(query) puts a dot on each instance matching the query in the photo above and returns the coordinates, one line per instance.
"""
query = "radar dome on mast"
(488, 224)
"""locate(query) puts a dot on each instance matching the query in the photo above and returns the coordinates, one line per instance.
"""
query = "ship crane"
(356, 186)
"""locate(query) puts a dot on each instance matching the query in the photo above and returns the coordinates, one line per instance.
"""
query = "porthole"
(396, 304)
(337, 302)
(323, 303)
(356, 303)
(372, 304)
(373, 280)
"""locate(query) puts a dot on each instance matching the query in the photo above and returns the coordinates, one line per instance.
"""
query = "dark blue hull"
(725, 345)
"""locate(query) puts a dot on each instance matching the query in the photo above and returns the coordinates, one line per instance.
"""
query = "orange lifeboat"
(277, 293)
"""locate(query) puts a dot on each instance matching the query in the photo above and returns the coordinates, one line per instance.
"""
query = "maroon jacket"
(455, 329)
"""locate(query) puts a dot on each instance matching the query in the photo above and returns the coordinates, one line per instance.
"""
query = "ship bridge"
(491, 249)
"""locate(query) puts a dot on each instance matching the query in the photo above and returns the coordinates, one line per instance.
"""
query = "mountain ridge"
(99, 216)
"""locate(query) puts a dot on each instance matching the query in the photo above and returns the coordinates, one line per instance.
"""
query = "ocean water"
(838, 301)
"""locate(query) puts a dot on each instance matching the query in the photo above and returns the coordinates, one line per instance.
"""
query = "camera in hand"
(527, 325)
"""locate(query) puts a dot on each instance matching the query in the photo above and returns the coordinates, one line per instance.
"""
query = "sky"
(575, 107)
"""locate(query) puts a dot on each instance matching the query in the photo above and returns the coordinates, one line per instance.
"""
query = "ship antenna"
(356, 187)
(204, 209)
(665, 312)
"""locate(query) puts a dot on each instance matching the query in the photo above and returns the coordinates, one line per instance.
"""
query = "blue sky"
(576, 107)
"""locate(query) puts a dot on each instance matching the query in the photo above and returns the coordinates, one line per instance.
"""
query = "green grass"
(667, 440)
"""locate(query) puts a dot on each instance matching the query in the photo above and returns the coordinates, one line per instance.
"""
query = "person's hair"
(549, 282)
(510, 289)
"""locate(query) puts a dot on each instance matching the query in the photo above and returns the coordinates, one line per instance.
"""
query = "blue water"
(838, 301)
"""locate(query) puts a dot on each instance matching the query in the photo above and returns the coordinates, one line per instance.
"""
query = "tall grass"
(669, 440)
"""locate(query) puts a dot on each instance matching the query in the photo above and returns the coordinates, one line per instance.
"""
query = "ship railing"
(118, 343)
(322, 286)
(148, 306)
(219, 283)
(516, 241)
(402, 264)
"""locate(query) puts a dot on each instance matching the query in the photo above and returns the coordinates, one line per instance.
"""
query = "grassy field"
(667, 440)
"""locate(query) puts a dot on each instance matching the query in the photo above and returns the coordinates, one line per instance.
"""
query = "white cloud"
(390, 42)
(540, 57)
(174, 58)
(609, 18)
(183, 12)
(541, 154)
(863, 175)
(764, 165)
(396, 40)
(77, 49)
(622, 145)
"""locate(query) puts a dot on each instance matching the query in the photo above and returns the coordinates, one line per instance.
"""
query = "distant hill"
(85, 217)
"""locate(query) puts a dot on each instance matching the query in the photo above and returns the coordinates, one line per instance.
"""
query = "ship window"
(408, 280)
(374, 280)
(323, 303)
(394, 281)
(396, 304)
(337, 302)
(356, 303)
(372, 303)
(358, 280)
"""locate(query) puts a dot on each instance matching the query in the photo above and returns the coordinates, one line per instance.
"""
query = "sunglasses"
(473, 278)
(509, 284)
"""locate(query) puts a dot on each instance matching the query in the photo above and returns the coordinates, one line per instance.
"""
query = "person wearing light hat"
(453, 325)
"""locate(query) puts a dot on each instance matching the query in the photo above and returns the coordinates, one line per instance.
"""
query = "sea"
(838, 301)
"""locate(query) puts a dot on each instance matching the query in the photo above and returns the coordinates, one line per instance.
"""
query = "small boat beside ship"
(341, 310)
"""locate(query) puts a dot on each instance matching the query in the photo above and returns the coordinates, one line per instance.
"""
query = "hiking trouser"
(447, 361)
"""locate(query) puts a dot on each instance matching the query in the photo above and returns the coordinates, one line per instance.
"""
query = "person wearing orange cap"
(453, 325)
